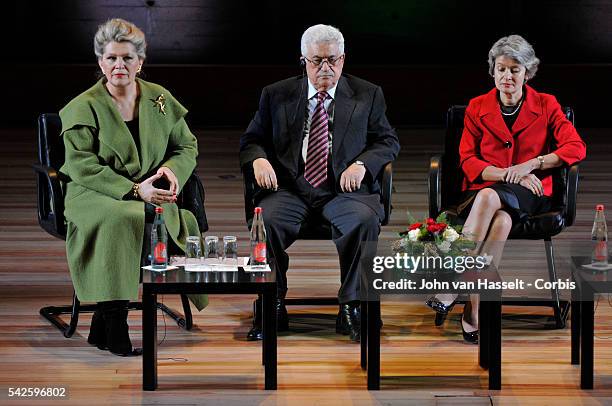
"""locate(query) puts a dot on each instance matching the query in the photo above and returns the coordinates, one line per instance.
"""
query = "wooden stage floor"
(214, 365)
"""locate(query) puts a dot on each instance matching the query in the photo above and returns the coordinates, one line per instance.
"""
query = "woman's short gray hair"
(119, 30)
(322, 33)
(517, 48)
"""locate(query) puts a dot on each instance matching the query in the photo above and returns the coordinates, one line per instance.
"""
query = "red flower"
(414, 226)
(430, 221)
(436, 227)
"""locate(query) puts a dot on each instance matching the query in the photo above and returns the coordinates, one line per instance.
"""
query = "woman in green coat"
(121, 136)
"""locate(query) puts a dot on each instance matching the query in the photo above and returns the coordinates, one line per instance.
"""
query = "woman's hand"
(153, 195)
(532, 183)
(264, 174)
(515, 173)
(165, 172)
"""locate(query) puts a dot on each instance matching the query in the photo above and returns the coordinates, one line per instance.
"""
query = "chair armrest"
(50, 201)
(571, 193)
(250, 187)
(434, 186)
(386, 190)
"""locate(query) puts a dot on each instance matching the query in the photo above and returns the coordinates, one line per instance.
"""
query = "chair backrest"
(452, 175)
(50, 202)
(50, 145)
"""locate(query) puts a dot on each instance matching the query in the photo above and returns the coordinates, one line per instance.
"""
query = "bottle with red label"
(258, 257)
(599, 235)
(159, 241)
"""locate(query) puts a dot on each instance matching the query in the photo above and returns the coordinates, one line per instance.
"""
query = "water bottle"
(159, 241)
(599, 235)
(258, 257)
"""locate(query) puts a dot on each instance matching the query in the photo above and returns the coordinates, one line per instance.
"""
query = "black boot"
(282, 319)
(349, 320)
(117, 336)
(97, 331)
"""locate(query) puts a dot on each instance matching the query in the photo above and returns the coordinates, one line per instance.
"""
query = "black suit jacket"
(360, 131)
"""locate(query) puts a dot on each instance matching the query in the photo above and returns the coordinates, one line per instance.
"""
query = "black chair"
(317, 228)
(51, 219)
(445, 180)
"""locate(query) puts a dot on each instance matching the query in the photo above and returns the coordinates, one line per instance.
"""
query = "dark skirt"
(517, 200)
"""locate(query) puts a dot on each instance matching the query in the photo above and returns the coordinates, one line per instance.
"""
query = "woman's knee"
(487, 199)
(502, 220)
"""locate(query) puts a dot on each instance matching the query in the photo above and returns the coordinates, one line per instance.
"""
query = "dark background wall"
(216, 55)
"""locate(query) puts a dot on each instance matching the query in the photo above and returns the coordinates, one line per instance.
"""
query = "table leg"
(269, 338)
(373, 345)
(149, 340)
(575, 315)
(495, 342)
(587, 331)
(484, 334)
(364, 335)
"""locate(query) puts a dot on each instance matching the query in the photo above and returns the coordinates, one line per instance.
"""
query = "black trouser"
(353, 222)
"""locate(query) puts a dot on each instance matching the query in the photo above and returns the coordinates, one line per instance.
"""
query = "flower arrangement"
(433, 238)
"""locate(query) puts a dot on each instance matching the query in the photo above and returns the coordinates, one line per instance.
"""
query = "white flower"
(444, 246)
(450, 234)
(413, 235)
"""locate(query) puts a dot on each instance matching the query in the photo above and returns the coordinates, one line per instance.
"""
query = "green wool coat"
(105, 232)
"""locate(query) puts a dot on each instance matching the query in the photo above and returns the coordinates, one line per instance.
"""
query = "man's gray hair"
(517, 48)
(322, 33)
(119, 30)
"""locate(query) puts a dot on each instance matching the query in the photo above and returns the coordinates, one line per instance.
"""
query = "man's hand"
(351, 178)
(532, 183)
(515, 173)
(264, 174)
(165, 172)
(151, 194)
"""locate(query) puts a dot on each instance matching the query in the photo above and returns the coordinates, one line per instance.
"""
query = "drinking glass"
(230, 250)
(193, 252)
(211, 248)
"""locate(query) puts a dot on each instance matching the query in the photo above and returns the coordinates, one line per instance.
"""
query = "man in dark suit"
(317, 145)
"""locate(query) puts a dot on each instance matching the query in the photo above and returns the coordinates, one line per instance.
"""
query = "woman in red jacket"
(506, 158)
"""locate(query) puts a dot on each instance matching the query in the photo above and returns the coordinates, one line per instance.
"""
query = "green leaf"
(442, 218)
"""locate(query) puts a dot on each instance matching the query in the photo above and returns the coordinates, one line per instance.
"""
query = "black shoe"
(470, 337)
(97, 331)
(117, 330)
(282, 319)
(348, 321)
(440, 308)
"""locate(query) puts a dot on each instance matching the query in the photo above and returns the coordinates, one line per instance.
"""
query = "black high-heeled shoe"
(471, 336)
(440, 308)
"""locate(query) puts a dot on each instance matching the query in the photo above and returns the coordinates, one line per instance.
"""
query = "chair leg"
(53, 313)
(560, 309)
(186, 321)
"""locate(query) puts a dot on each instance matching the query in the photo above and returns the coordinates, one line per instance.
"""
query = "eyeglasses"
(331, 61)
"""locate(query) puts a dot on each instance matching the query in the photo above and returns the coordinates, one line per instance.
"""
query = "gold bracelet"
(541, 161)
(135, 191)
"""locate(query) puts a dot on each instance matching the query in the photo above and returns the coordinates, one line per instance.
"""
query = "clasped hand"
(532, 183)
(515, 173)
(151, 194)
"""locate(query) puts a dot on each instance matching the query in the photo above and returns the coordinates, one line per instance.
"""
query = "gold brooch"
(160, 103)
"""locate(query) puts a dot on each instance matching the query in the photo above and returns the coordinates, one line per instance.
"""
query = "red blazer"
(487, 141)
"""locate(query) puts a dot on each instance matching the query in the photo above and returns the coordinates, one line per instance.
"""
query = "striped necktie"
(318, 145)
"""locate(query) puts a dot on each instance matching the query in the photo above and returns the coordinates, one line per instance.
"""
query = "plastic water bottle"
(258, 258)
(159, 241)
(599, 235)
